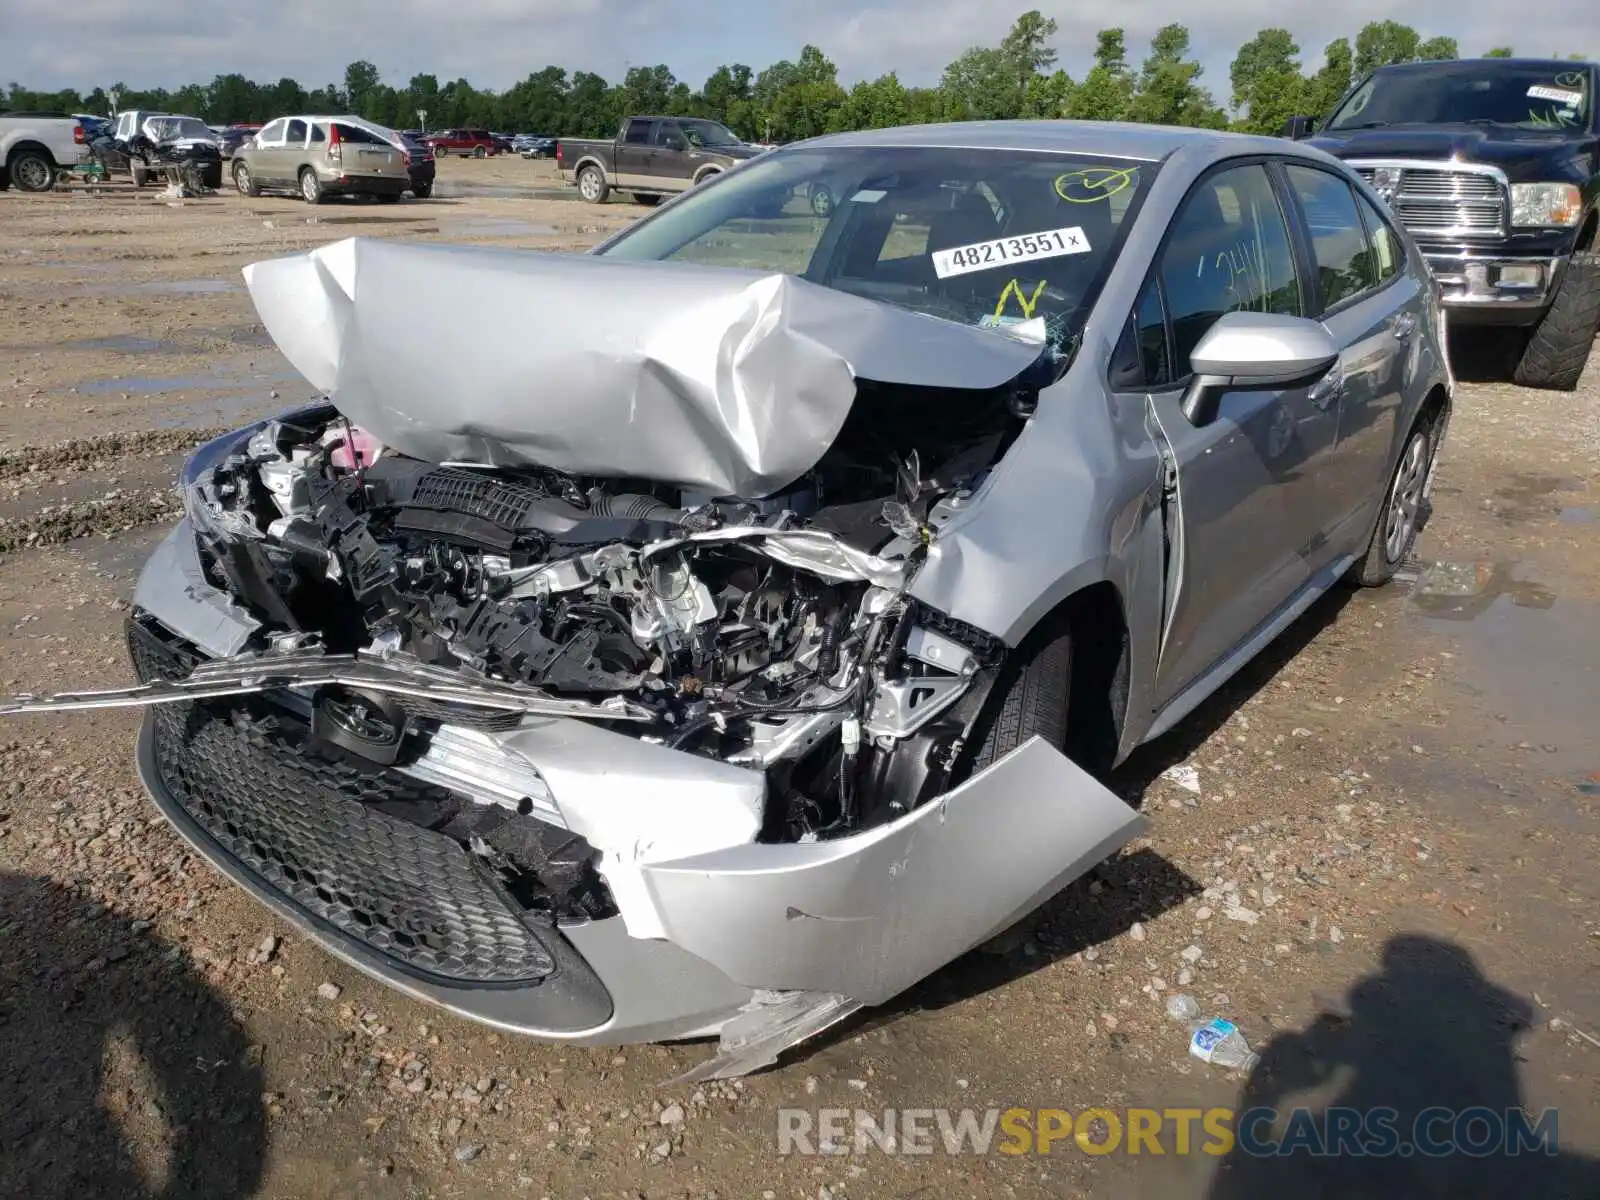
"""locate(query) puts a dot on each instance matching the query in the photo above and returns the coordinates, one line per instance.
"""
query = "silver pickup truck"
(34, 146)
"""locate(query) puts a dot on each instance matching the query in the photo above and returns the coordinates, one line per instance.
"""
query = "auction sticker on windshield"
(979, 256)
(1560, 95)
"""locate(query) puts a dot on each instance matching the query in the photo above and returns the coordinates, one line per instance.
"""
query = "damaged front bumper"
(712, 931)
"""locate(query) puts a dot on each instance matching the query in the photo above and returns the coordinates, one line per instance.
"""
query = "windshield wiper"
(1361, 125)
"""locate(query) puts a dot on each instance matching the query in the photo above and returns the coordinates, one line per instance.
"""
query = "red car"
(473, 143)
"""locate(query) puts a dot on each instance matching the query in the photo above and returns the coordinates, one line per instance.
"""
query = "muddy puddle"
(192, 342)
(1529, 655)
(166, 287)
(495, 227)
(504, 191)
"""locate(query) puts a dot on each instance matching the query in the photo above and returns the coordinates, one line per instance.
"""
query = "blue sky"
(56, 43)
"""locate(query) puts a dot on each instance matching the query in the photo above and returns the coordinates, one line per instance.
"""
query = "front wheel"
(480, 152)
(592, 185)
(1560, 343)
(244, 181)
(310, 186)
(32, 171)
(1394, 533)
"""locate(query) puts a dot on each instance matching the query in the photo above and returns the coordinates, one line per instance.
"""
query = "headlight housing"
(1545, 205)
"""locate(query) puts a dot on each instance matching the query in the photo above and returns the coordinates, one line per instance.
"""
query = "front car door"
(1244, 497)
(1373, 309)
(264, 156)
(633, 152)
(670, 167)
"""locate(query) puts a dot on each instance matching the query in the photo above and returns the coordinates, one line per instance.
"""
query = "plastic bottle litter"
(1214, 1041)
(1220, 1043)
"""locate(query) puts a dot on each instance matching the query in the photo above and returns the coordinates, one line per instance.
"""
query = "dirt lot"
(1386, 876)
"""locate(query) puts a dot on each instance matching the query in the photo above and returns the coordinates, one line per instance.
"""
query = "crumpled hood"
(727, 381)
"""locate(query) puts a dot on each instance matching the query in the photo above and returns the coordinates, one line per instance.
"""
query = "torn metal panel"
(174, 584)
(727, 381)
(379, 672)
(637, 802)
(869, 915)
(770, 1024)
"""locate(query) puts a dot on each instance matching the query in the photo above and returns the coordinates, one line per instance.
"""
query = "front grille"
(1440, 201)
(310, 827)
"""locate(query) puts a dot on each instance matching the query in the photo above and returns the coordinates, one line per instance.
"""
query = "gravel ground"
(1373, 850)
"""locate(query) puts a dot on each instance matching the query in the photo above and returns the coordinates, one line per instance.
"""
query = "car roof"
(1149, 143)
(1490, 64)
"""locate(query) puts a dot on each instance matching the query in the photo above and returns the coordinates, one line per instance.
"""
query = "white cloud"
(492, 43)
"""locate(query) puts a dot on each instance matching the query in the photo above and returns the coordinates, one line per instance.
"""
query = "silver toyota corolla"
(744, 646)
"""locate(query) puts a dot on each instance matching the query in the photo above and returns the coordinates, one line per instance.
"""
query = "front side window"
(273, 133)
(1345, 265)
(1228, 251)
(982, 237)
(1387, 253)
(708, 134)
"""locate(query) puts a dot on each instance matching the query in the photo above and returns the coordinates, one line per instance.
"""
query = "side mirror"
(1254, 350)
(1296, 128)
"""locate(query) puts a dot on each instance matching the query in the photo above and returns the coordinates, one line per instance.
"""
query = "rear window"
(354, 133)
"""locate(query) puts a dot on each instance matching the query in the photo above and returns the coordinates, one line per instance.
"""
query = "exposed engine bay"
(774, 635)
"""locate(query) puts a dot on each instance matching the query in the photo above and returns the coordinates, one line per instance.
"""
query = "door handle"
(1325, 391)
(1405, 324)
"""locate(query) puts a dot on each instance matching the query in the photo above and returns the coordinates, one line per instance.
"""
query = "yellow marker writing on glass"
(1026, 303)
(1094, 183)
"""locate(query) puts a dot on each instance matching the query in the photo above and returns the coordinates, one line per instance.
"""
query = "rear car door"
(633, 153)
(1245, 490)
(1373, 308)
(288, 158)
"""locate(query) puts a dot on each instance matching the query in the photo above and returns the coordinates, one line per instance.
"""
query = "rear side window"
(1345, 265)
(318, 134)
(1228, 251)
(638, 133)
(296, 135)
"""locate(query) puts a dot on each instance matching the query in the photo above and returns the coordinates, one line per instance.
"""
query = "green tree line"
(802, 98)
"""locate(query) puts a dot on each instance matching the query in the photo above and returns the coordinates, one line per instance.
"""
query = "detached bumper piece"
(309, 828)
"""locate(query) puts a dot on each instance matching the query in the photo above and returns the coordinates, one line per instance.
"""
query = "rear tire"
(310, 187)
(422, 190)
(1401, 515)
(592, 185)
(32, 171)
(1560, 343)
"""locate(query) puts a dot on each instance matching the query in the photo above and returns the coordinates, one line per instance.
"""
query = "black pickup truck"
(651, 157)
(1493, 166)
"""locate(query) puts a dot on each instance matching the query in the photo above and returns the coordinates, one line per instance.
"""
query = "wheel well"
(588, 162)
(22, 146)
(1097, 702)
(1436, 405)
(707, 173)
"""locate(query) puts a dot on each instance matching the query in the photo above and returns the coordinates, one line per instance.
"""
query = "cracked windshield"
(990, 238)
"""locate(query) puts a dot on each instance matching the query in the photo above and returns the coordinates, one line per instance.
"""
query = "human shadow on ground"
(122, 1073)
(1427, 1038)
